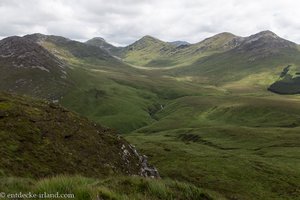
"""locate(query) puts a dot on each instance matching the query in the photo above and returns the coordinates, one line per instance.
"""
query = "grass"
(46, 139)
(117, 188)
(241, 147)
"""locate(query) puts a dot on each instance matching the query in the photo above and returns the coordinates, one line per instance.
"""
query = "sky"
(122, 22)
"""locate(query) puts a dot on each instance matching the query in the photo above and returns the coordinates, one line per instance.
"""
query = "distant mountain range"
(215, 55)
(216, 60)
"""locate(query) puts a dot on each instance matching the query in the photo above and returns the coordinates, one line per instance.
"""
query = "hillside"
(46, 139)
(28, 68)
(255, 63)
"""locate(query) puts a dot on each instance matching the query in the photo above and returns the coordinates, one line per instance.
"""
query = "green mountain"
(256, 62)
(204, 113)
(151, 52)
(147, 51)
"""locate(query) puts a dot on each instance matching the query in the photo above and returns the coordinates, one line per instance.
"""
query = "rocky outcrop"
(146, 169)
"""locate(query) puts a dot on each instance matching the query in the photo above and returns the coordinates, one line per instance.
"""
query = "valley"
(203, 113)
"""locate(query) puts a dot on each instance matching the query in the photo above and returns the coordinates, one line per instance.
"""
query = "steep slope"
(102, 44)
(257, 59)
(40, 139)
(28, 68)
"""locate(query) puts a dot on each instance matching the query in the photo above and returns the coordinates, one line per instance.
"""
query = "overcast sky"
(123, 21)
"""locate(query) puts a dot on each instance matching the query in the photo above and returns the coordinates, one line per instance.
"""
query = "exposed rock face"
(146, 169)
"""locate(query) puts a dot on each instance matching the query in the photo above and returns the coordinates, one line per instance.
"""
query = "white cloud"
(124, 21)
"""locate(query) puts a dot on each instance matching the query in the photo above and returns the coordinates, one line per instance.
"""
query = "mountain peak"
(97, 38)
(219, 42)
(103, 44)
(264, 44)
(145, 42)
(265, 33)
(225, 34)
(149, 38)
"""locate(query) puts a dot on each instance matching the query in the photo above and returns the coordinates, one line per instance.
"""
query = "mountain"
(220, 42)
(102, 44)
(146, 50)
(28, 68)
(223, 59)
(264, 44)
(156, 53)
(75, 48)
(42, 65)
(248, 61)
(46, 140)
(179, 43)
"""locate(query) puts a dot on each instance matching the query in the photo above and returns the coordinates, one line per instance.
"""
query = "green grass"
(117, 188)
(242, 163)
(46, 139)
(241, 147)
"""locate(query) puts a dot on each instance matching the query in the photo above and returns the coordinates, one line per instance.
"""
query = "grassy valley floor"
(241, 147)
